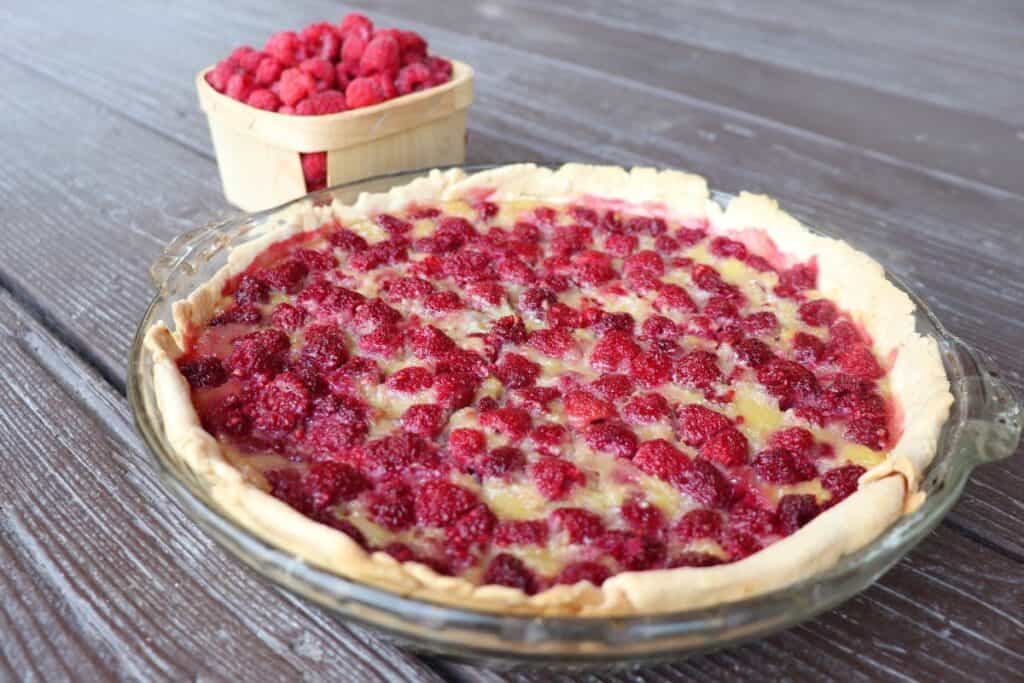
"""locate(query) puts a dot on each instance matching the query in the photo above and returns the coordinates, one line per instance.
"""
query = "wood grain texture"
(897, 125)
(917, 222)
(102, 575)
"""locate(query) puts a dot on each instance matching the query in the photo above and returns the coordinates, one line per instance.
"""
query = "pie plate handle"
(993, 420)
(182, 250)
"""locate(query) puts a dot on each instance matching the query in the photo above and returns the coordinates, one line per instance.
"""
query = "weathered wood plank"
(96, 286)
(103, 575)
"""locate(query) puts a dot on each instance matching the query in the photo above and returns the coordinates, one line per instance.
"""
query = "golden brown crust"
(855, 281)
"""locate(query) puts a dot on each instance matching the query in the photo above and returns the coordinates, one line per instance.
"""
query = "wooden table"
(902, 126)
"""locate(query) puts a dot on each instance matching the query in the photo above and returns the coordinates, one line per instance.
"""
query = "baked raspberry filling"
(327, 69)
(532, 395)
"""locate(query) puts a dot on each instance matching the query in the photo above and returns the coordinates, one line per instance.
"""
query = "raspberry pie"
(585, 391)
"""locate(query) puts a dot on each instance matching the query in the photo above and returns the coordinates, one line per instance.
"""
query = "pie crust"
(851, 279)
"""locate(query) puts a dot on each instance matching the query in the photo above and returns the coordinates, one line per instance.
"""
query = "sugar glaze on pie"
(582, 391)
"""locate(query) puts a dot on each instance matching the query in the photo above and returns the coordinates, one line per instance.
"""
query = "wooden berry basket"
(258, 151)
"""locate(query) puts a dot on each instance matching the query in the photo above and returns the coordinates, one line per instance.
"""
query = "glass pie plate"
(984, 426)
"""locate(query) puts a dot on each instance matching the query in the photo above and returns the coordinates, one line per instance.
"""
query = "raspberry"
(841, 482)
(753, 352)
(442, 302)
(245, 315)
(502, 461)
(807, 348)
(795, 439)
(612, 437)
(555, 478)
(384, 342)
(721, 309)
(464, 362)
(620, 245)
(794, 511)
(286, 276)
(286, 486)
(634, 552)
(362, 92)
(268, 72)
(513, 422)
(651, 369)
(521, 532)
(352, 49)
(392, 506)
(706, 484)
(779, 466)
(698, 369)
(346, 240)
(581, 526)
(316, 261)
(642, 517)
(203, 373)
(218, 77)
(646, 225)
(613, 351)
(857, 360)
(867, 431)
(708, 279)
(843, 334)
(281, 404)
(739, 545)
(647, 408)
(674, 298)
(764, 322)
(694, 560)
(412, 78)
(468, 266)
(325, 348)
(582, 408)
(439, 503)
(425, 419)
(322, 39)
(381, 56)
(465, 444)
(689, 237)
(483, 295)
(789, 382)
(751, 519)
(455, 390)
(658, 327)
(328, 482)
(698, 524)
(295, 86)
(548, 438)
(613, 387)
(320, 69)
(575, 572)
(508, 570)
(645, 262)
(475, 527)
(553, 343)
(396, 454)
(516, 372)
(666, 244)
(728, 447)
(407, 288)
(357, 24)
(258, 352)
(321, 103)
(727, 248)
(430, 343)
(592, 268)
(661, 459)
(251, 290)
(263, 99)
(314, 170)
(697, 424)
(818, 313)
(411, 380)
(535, 299)
(284, 47)
(797, 279)
(560, 315)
